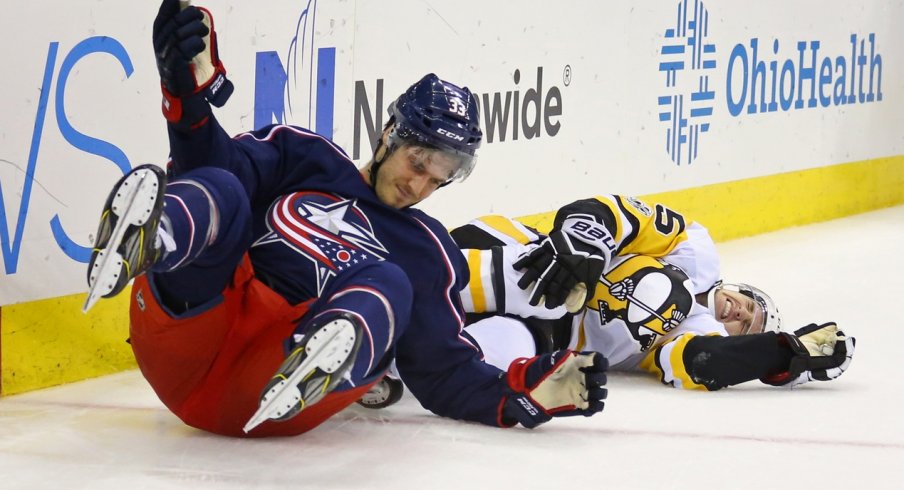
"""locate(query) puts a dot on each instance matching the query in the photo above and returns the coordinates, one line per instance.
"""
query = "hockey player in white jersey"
(658, 304)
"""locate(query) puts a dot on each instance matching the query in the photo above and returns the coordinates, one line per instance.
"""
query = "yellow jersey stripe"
(582, 338)
(676, 362)
(475, 285)
(506, 227)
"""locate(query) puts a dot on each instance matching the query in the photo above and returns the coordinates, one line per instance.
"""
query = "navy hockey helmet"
(772, 318)
(437, 114)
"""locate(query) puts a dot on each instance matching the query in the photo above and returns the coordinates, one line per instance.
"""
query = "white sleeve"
(697, 257)
(502, 340)
(484, 294)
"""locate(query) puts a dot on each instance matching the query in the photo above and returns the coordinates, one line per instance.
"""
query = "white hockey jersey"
(644, 309)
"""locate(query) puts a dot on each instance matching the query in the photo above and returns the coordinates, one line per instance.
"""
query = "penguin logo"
(648, 295)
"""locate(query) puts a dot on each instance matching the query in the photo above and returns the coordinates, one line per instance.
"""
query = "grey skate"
(125, 242)
(313, 369)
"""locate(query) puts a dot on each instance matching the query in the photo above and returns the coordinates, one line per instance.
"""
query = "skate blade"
(110, 268)
(333, 344)
(109, 264)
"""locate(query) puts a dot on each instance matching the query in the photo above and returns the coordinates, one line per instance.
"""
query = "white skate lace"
(164, 239)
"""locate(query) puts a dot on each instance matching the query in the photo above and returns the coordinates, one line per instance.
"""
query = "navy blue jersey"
(296, 179)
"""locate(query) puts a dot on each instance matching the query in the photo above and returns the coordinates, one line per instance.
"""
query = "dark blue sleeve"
(442, 369)
(269, 162)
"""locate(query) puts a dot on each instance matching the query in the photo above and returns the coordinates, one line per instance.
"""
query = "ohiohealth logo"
(688, 62)
(760, 77)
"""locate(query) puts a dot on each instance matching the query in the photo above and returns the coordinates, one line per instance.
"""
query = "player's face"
(740, 314)
(410, 174)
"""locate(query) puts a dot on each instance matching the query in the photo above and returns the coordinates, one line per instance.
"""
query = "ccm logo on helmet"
(450, 134)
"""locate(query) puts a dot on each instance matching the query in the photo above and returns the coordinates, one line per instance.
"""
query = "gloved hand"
(191, 73)
(821, 352)
(559, 384)
(573, 255)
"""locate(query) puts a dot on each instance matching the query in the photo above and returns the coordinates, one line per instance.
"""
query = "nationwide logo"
(517, 113)
(759, 78)
(688, 62)
(301, 90)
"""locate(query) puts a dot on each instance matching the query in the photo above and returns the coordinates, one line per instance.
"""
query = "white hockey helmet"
(772, 317)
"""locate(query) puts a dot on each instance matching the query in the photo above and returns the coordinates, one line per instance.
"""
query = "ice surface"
(112, 432)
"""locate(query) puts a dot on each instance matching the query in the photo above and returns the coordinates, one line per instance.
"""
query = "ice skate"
(388, 391)
(125, 242)
(314, 368)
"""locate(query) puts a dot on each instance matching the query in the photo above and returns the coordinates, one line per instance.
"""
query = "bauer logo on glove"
(568, 263)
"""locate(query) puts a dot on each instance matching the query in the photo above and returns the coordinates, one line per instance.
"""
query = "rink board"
(50, 342)
(783, 113)
(575, 99)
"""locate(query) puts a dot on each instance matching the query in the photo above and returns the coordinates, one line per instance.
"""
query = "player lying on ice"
(657, 272)
(275, 282)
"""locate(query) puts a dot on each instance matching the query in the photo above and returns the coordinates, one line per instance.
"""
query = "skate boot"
(384, 393)
(125, 244)
(316, 366)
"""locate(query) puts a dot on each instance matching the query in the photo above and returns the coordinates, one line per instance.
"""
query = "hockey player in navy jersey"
(275, 281)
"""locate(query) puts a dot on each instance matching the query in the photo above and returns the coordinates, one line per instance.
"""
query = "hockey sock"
(208, 218)
(205, 220)
(190, 220)
(379, 296)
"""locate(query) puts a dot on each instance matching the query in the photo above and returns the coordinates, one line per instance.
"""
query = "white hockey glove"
(821, 352)
(558, 384)
(571, 259)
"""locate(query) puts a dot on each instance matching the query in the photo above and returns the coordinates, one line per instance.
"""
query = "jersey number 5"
(668, 222)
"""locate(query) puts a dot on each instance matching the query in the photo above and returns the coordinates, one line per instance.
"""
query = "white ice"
(112, 432)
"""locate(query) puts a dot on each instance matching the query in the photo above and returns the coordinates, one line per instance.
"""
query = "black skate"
(316, 366)
(384, 393)
(125, 242)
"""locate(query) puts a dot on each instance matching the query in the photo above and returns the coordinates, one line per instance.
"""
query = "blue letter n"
(269, 87)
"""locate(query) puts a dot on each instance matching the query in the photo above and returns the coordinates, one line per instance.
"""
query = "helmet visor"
(764, 316)
(452, 164)
(772, 319)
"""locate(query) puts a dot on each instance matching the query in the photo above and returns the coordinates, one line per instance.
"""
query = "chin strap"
(375, 166)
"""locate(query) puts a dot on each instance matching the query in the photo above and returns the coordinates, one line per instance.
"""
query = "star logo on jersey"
(331, 232)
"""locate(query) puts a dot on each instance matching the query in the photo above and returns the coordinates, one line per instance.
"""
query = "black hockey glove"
(559, 384)
(191, 73)
(573, 255)
(820, 352)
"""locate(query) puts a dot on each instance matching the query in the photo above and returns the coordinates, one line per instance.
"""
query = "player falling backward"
(658, 305)
(275, 281)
